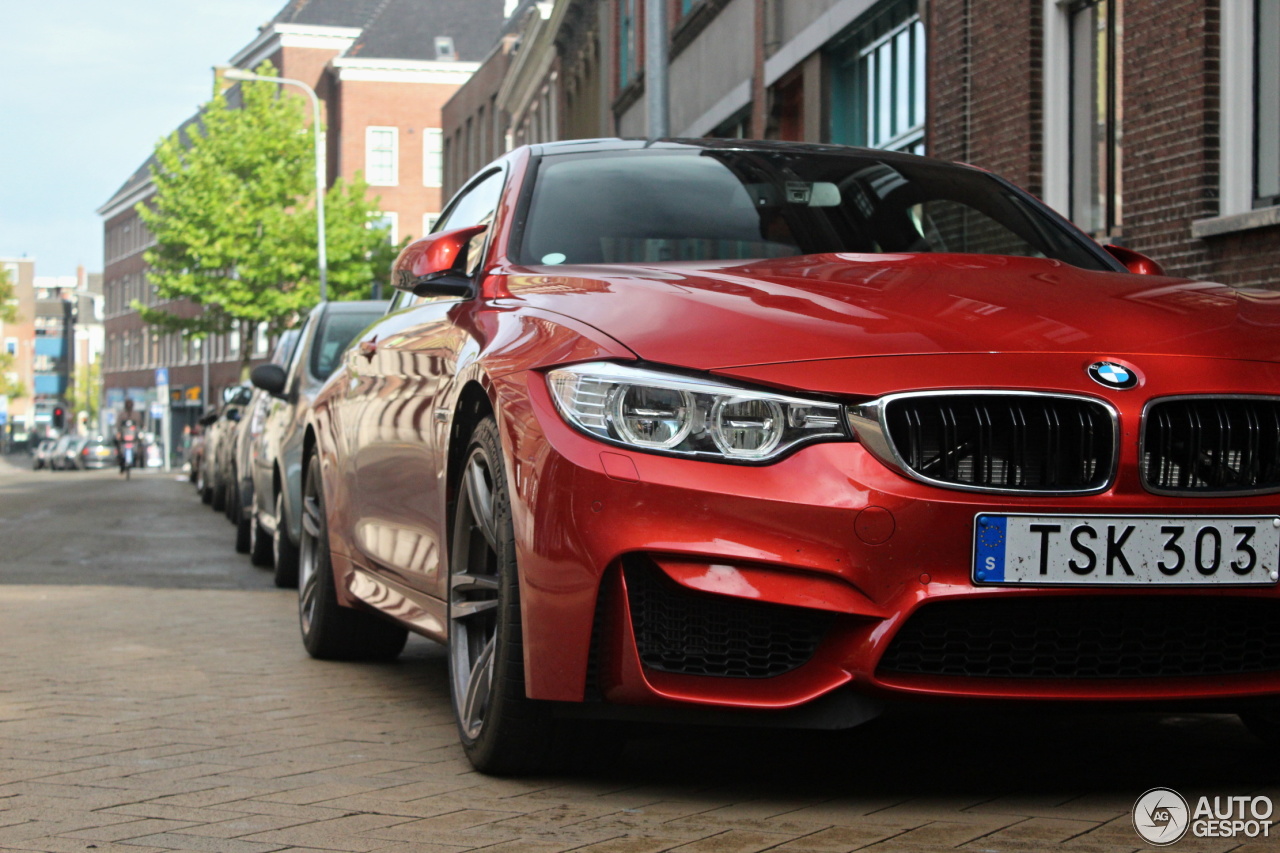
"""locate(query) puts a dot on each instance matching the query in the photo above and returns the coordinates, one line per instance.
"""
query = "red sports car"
(773, 433)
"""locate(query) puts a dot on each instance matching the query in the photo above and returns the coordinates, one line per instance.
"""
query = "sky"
(87, 89)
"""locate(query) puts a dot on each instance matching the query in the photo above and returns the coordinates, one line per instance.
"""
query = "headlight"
(674, 414)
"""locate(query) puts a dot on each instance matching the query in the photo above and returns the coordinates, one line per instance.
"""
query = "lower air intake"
(683, 631)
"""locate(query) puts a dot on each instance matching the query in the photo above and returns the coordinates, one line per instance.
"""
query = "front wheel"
(502, 731)
(1264, 724)
(329, 630)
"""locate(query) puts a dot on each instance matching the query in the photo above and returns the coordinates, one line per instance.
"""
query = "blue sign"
(162, 376)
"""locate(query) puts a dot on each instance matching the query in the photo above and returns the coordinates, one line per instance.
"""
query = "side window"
(476, 206)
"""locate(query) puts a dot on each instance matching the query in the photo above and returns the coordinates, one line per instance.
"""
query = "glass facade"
(1266, 182)
(1096, 116)
(878, 80)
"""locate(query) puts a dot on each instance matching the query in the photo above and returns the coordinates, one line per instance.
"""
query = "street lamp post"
(241, 74)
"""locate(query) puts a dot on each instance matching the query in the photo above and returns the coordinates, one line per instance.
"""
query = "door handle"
(369, 348)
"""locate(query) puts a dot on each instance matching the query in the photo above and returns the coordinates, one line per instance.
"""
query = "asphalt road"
(154, 696)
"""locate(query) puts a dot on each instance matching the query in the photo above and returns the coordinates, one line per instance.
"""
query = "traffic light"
(59, 417)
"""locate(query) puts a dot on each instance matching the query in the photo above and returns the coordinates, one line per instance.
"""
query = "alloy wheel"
(308, 577)
(473, 597)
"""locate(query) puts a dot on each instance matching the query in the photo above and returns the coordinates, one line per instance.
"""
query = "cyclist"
(127, 432)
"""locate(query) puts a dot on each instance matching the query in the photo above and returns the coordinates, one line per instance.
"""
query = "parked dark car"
(277, 455)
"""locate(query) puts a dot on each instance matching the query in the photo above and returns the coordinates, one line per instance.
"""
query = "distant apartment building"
(59, 329)
(383, 70)
(1154, 124)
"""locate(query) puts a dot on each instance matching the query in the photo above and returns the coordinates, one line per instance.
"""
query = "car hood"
(832, 306)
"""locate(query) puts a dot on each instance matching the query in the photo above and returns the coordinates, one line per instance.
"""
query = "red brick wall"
(1170, 122)
(984, 58)
(1172, 143)
(409, 107)
(1170, 103)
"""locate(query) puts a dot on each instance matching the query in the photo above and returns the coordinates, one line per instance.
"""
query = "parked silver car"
(277, 456)
(219, 430)
(239, 474)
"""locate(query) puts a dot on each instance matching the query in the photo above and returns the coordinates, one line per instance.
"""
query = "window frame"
(1264, 123)
(430, 168)
(369, 151)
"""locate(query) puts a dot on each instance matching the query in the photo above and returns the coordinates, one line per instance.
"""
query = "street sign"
(162, 376)
(157, 411)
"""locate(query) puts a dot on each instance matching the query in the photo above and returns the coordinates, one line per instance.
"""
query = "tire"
(244, 526)
(284, 553)
(1264, 724)
(259, 542)
(203, 487)
(233, 501)
(502, 731)
(329, 630)
(219, 500)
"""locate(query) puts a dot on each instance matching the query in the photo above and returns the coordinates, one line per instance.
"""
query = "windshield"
(643, 206)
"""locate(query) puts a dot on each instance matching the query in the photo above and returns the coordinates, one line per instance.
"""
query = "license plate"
(1090, 550)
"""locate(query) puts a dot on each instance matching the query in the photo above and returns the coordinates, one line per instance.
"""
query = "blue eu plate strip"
(988, 558)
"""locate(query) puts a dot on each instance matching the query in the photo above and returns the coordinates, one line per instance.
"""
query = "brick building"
(382, 69)
(1150, 123)
(58, 330)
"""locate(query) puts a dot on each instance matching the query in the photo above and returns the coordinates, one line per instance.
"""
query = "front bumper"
(828, 536)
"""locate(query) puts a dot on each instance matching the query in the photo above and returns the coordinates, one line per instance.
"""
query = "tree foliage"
(86, 391)
(8, 314)
(233, 217)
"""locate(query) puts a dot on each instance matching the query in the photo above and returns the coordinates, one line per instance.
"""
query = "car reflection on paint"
(770, 433)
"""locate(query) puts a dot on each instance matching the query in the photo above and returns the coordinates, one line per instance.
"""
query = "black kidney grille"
(1027, 443)
(683, 631)
(1095, 638)
(1210, 445)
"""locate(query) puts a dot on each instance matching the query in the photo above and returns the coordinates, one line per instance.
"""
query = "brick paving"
(153, 718)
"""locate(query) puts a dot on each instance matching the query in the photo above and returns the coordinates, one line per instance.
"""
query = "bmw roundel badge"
(1113, 375)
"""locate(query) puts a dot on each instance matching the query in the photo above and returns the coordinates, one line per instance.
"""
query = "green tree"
(86, 392)
(233, 217)
(8, 314)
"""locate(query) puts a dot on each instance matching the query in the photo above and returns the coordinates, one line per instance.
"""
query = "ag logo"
(1161, 816)
(1112, 375)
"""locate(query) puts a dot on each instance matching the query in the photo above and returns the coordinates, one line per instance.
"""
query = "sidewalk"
(148, 704)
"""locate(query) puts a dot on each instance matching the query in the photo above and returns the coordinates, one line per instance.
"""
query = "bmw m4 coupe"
(773, 433)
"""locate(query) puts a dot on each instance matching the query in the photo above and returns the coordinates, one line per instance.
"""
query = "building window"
(381, 156)
(433, 157)
(627, 42)
(445, 51)
(1095, 116)
(877, 81)
(1266, 111)
(429, 222)
(260, 339)
(11, 346)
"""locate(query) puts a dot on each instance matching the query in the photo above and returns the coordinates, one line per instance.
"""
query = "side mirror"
(233, 415)
(270, 378)
(1134, 262)
(436, 264)
(208, 420)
